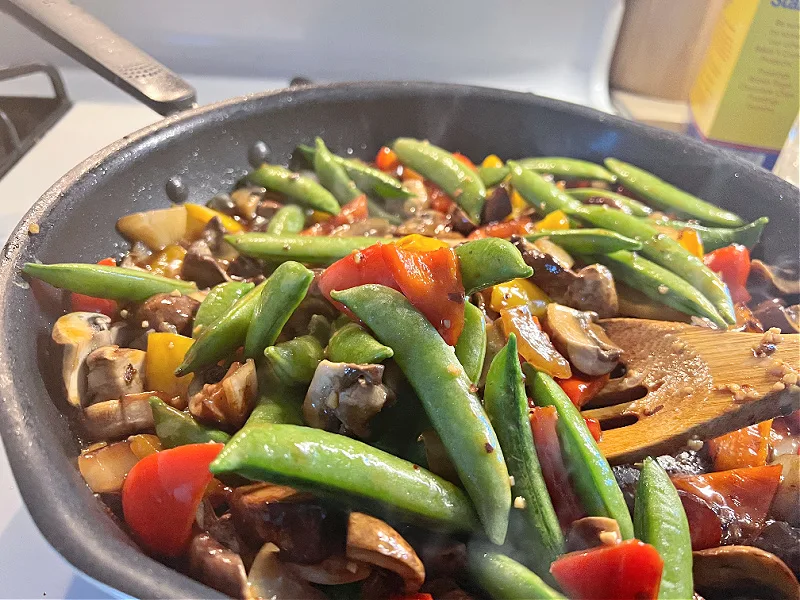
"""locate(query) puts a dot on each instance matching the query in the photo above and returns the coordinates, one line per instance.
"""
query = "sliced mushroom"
(438, 459)
(372, 541)
(577, 335)
(591, 532)
(114, 419)
(782, 540)
(775, 313)
(168, 313)
(727, 570)
(556, 251)
(334, 570)
(345, 397)
(786, 504)
(426, 222)
(304, 531)
(593, 290)
(246, 200)
(80, 333)
(270, 579)
(497, 206)
(200, 266)
(229, 402)
(114, 372)
(445, 558)
(774, 278)
(217, 566)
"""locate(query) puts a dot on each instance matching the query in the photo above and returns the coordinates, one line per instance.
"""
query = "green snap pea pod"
(567, 168)
(302, 189)
(444, 389)
(492, 176)
(377, 211)
(490, 261)
(221, 339)
(544, 196)
(587, 467)
(101, 281)
(629, 205)
(507, 406)
(457, 180)
(503, 578)
(586, 241)
(332, 176)
(659, 520)
(471, 345)
(302, 248)
(657, 283)
(282, 294)
(219, 301)
(353, 344)
(288, 220)
(668, 197)
(366, 178)
(177, 428)
(718, 237)
(346, 470)
(293, 362)
(277, 404)
(321, 328)
(668, 253)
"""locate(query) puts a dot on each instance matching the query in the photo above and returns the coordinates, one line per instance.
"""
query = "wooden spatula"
(685, 382)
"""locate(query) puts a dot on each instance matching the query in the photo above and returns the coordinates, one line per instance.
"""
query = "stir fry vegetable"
(263, 379)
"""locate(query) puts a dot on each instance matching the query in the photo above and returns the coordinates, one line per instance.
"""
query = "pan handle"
(91, 43)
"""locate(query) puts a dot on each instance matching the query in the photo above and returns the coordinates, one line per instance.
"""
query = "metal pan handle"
(91, 43)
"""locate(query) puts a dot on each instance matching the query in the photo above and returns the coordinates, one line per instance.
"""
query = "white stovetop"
(29, 567)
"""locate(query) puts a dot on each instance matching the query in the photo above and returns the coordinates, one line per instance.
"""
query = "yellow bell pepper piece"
(533, 344)
(690, 239)
(197, 216)
(556, 220)
(519, 292)
(168, 262)
(492, 161)
(518, 206)
(165, 351)
(420, 243)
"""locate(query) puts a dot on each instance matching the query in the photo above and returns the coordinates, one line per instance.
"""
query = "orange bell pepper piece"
(747, 447)
(504, 229)
(690, 240)
(534, 344)
(581, 388)
(386, 159)
(354, 211)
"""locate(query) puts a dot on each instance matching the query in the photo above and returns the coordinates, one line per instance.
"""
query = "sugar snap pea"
(567, 168)
(659, 519)
(490, 261)
(446, 393)
(101, 281)
(321, 328)
(507, 406)
(220, 339)
(471, 345)
(289, 219)
(302, 248)
(346, 470)
(302, 189)
(282, 294)
(504, 578)
(629, 205)
(587, 467)
(332, 176)
(366, 178)
(668, 197)
(219, 301)
(717, 237)
(492, 176)
(293, 362)
(353, 344)
(276, 404)
(598, 241)
(668, 253)
(177, 428)
(544, 196)
(657, 283)
(457, 180)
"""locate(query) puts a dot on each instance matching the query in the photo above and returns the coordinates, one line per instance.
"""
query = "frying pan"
(207, 148)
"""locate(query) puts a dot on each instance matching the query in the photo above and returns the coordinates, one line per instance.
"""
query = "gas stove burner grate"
(23, 119)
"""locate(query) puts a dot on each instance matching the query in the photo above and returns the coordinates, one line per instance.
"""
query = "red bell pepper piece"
(548, 449)
(161, 495)
(742, 494)
(440, 202)
(581, 388)
(464, 159)
(430, 280)
(594, 428)
(354, 211)
(630, 570)
(417, 596)
(84, 303)
(705, 526)
(733, 265)
(503, 229)
(386, 159)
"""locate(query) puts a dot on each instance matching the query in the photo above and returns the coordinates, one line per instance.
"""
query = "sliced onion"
(155, 228)
(105, 469)
(334, 570)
